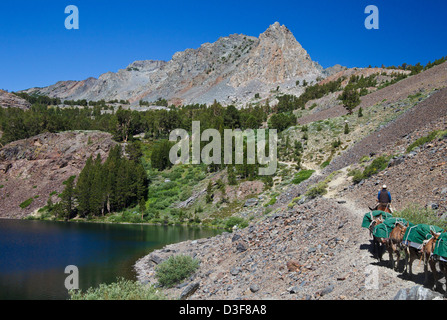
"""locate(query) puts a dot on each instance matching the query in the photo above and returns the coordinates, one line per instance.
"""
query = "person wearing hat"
(384, 197)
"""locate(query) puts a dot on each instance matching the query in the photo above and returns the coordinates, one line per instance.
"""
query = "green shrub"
(122, 289)
(419, 215)
(346, 130)
(325, 164)
(271, 202)
(357, 176)
(376, 166)
(421, 141)
(235, 221)
(335, 144)
(364, 159)
(302, 175)
(317, 190)
(175, 269)
(26, 203)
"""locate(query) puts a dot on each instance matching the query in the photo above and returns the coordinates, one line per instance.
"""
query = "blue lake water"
(34, 254)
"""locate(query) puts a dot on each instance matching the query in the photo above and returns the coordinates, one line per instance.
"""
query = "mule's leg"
(390, 253)
(408, 263)
(397, 259)
(413, 256)
(379, 251)
(432, 264)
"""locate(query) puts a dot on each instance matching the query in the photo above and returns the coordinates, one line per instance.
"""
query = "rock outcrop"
(11, 100)
(36, 168)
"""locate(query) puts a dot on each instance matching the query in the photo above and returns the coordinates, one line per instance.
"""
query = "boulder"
(417, 293)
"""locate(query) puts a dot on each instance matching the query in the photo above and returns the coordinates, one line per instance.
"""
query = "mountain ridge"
(232, 70)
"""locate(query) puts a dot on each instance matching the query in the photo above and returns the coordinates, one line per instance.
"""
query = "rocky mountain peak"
(276, 31)
(230, 70)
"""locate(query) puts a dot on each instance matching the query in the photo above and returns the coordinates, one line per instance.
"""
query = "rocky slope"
(316, 249)
(231, 70)
(35, 168)
(430, 79)
(11, 100)
(313, 251)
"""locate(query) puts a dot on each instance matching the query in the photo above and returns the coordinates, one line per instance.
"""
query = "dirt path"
(382, 281)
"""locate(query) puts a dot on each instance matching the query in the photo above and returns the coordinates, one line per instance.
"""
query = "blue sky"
(37, 50)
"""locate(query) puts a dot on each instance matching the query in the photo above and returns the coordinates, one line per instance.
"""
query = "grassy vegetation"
(26, 203)
(429, 138)
(122, 289)
(420, 215)
(316, 190)
(375, 167)
(175, 269)
(272, 200)
(302, 175)
(235, 221)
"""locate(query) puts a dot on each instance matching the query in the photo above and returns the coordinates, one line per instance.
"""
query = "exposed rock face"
(11, 100)
(231, 70)
(278, 57)
(37, 167)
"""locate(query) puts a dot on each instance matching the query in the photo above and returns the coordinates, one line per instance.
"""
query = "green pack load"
(368, 217)
(440, 249)
(384, 229)
(417, 234)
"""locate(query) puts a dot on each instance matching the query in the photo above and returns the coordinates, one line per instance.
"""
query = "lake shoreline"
(33, 250)
(119, 223)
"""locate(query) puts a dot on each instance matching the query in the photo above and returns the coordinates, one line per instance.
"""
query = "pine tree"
(350, 98)
(209, 192)
(142, 206)
(83, 188)
(360, 114)
(67, 199)
(97, 194)
(346, 128)
(231, 176)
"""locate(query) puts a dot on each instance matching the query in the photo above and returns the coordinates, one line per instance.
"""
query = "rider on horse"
(383, 199)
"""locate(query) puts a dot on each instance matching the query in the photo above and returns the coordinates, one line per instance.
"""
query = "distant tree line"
(18, 124)
(418, 67)
(290, 102)
(40, 99)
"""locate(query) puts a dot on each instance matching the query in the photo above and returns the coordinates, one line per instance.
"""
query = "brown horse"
(428, 249)
(375, 222)
(378, 243)
(394, 243)
(385, 207)
(424, 253)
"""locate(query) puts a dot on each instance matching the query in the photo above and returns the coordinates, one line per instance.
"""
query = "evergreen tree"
(97, 194)
(360, 114)
(83, 188)
(67, 199)
(346, 128)
(142, 207)
(209, 192)
(231, 176)
(350, 98)
(160, 155)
